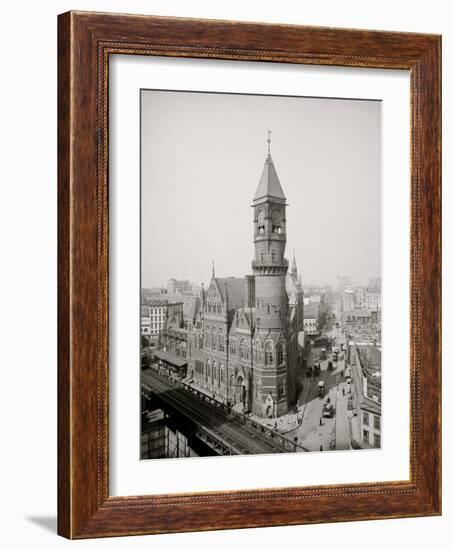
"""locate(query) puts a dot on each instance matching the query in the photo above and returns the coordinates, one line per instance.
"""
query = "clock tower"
(270, 266)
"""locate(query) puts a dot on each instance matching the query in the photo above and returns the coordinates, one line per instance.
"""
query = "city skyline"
(304, 283)
(207, 158)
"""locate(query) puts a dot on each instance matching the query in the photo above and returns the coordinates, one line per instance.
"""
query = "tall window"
(366, 418)
(269, 352)
(221, 340)
(221, 373)
(258, 387)
(233, 347)
(214, 338)
(273, 256)
(243, 350)
(214, 370)
(262, 256)
(260, 220)
(276, 222)
(377, 422)
(208, 369)
(280, 354)
(258, 349)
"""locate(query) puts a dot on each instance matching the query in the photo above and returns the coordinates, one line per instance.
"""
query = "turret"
(270, 266)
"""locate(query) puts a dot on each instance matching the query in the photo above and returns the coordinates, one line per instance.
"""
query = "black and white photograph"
(260, 320)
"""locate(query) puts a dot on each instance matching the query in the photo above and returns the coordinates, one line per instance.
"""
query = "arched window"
(208, 369)
(221, 340)
(280, 354)
(262, 256)
(243, 350)
(214, 370)
(260, 221)
(214, 338)
(276, 222)
(269, 352)
(258, 349)
(221, 373)
(233, 347)
(281, 387)
(273, 256)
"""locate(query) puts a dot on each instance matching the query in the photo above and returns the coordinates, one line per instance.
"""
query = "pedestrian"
(320, 420)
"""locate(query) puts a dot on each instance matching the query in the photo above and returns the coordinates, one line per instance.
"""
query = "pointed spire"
(269, 185)
(294, 265)
(213, 268)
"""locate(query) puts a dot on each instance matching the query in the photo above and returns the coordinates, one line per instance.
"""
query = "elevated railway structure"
(225, 431)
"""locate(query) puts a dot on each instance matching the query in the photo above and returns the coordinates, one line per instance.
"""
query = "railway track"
(240, 438)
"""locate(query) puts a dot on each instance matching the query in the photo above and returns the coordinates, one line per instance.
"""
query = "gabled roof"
(243, 319)
(269, 185)
(235, 288)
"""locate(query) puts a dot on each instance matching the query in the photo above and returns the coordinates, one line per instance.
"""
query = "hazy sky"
(202, 158)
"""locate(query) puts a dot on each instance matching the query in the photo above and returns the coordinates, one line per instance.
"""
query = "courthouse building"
(240, 341)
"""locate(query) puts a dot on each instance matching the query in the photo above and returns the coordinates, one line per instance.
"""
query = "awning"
(170, 358)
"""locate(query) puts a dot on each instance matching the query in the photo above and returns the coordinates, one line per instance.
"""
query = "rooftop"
(269, 185)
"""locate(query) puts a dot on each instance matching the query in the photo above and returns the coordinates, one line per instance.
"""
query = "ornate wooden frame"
(85, 41)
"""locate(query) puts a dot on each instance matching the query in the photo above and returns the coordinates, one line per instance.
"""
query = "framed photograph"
(249, 275)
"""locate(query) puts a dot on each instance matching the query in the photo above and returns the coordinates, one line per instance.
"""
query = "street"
(315, 432)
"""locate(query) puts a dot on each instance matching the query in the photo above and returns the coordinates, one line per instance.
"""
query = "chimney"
(250, 290)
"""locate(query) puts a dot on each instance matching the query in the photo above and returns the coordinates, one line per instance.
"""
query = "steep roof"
(235, 288)
(269, 185)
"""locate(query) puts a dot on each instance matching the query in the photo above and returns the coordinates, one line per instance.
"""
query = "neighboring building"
(310, 326)
(242, 342)
(179, 286)
(373, 300)
(342, 283)
(348, 299)
(154, 317)
(145, 322)
(365, 360)
(360, 298)
(357, 317)
(311, 317)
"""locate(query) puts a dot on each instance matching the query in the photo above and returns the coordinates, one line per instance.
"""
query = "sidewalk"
(342, 436)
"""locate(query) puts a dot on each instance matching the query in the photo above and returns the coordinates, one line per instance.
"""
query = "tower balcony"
(269, 268)
(278, 263)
